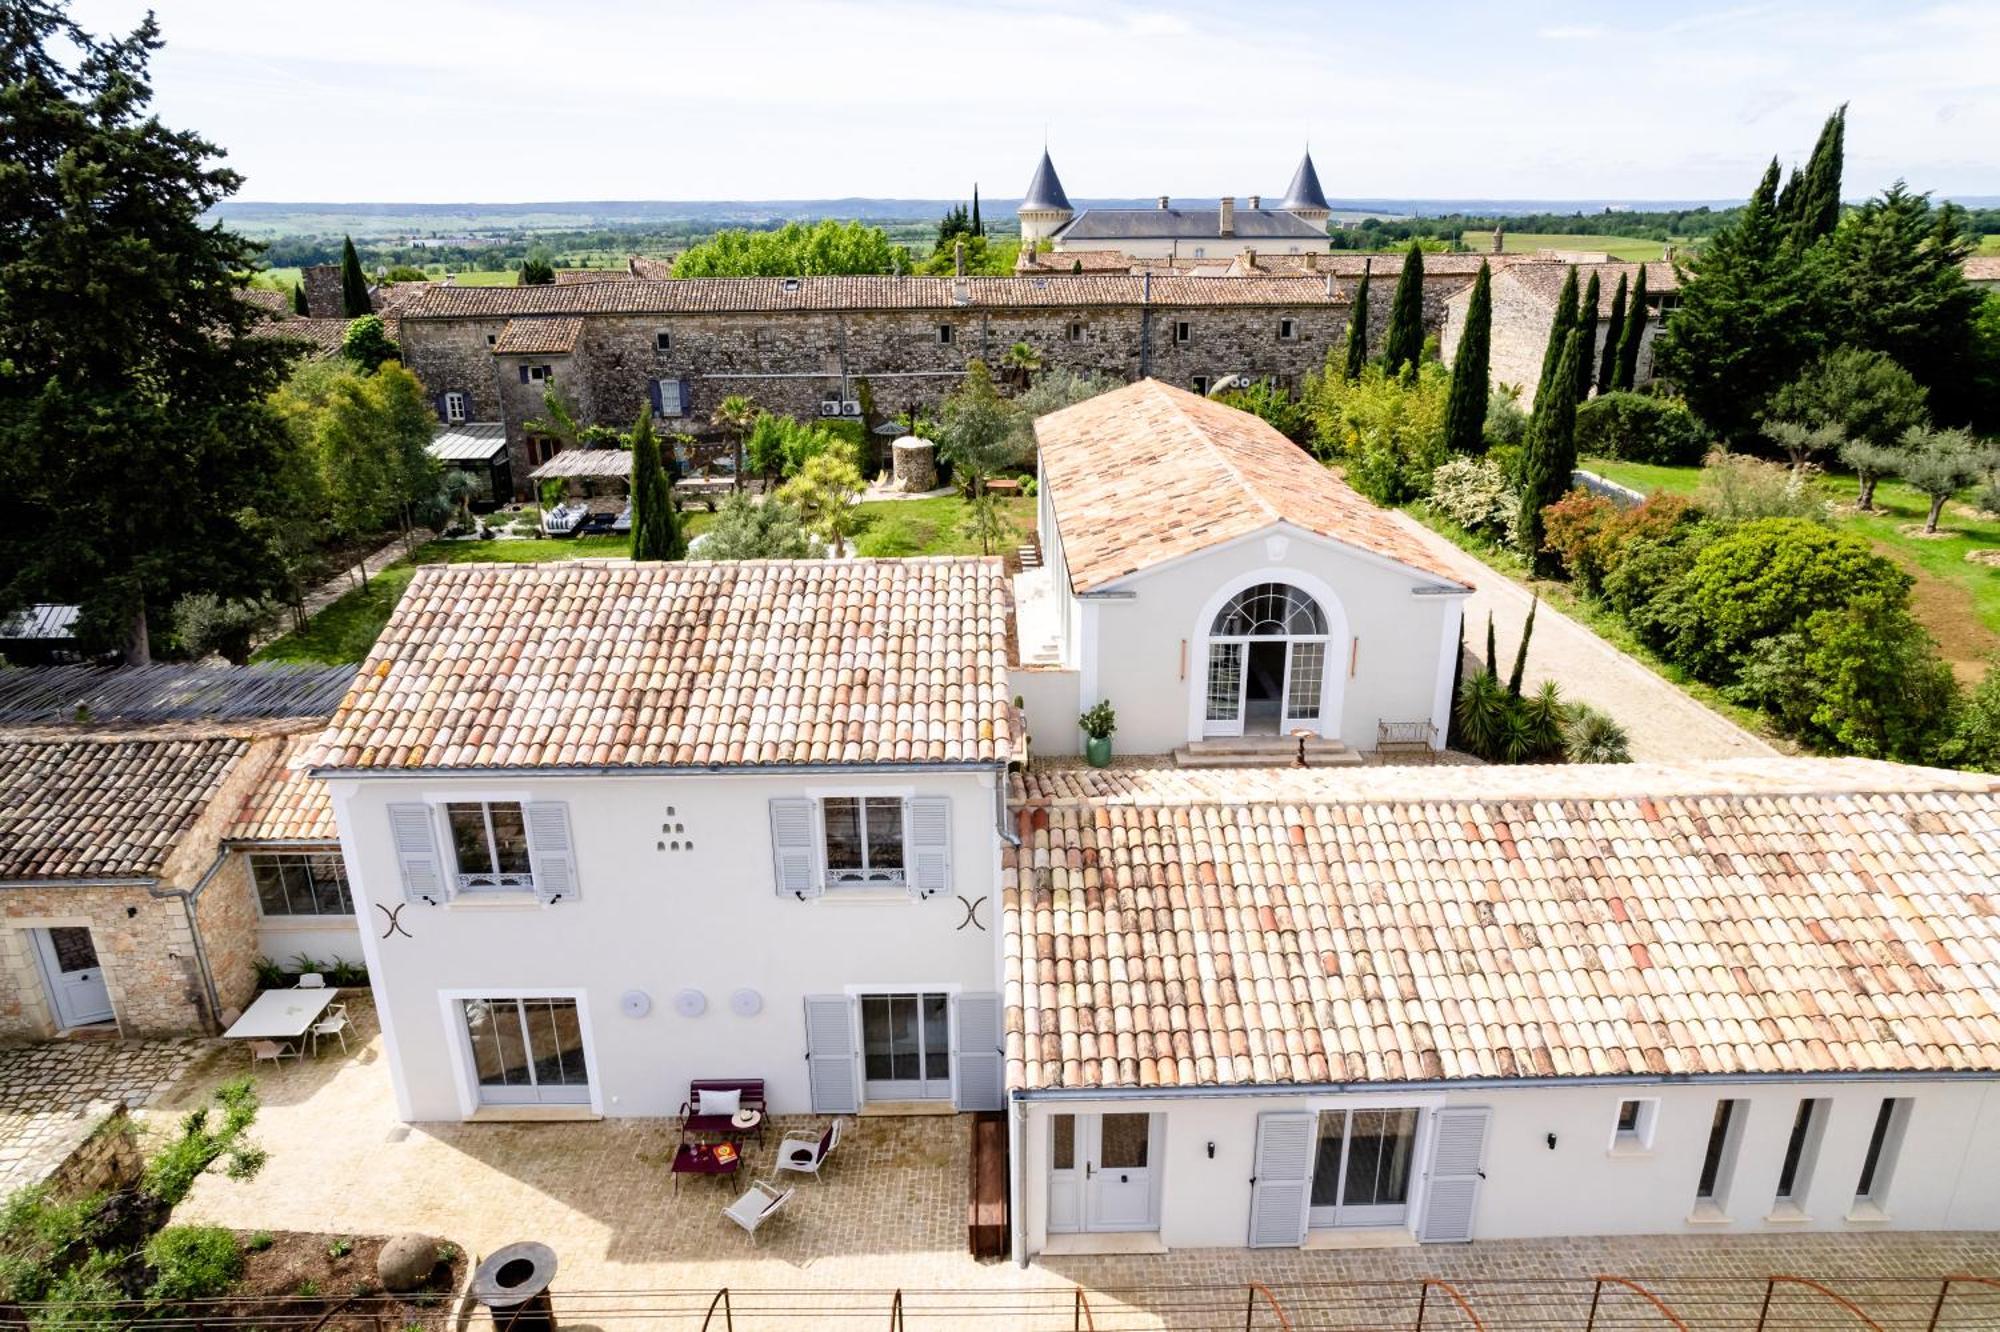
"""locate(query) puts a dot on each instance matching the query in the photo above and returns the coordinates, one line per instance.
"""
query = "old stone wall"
(227, 914)
(324, 294)
(1521, 337)
(143, 944)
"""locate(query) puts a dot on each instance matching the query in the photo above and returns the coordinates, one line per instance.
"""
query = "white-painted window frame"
(465, 1075)
(455, 407)
(517, 886)
(1637, 1140)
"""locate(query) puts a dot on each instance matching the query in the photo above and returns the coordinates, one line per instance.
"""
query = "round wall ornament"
(691, 1003)
(635, 1003)
(746, 1003)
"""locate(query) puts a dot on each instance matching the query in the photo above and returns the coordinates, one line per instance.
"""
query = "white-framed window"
(537, 373)
(663, 341)
(1801, 1151)
(454, 407)
(1288, 330)
(492, 338)
(1718, 1159)
(861, 838)
(489, 846)
(1183, 331)
(945, 334)
(301, 883)
(1632, 1128)
(1885, 1144)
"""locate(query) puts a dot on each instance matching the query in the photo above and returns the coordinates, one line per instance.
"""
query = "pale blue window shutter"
(929, 852)
(830, 1054)
(551, 852)
(977, 1056)
(794, 866)
(1458, 1158)
(415, 836)
(524, 374)
(1282, 1182)
(687, 396)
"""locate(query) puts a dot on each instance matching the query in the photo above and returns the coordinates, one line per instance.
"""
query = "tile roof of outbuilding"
(1169, 929)
(288, 804)
(609, 663)
(1248, 224)
(103, 805)
(773, 295)
(1149, 473)
(545, 336)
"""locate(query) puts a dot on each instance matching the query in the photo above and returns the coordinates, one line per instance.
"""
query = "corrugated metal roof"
(45, 620)
(473, 442)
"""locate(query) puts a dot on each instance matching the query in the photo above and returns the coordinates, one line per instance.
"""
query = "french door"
(76, 981)
(1101, 1173)
(526, 1051)
(1361, 1167)
(1263, 686)
(906, 1047)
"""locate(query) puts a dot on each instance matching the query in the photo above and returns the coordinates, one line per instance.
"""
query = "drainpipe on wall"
(190, 898)
(1017, 1179)
(1145, 323)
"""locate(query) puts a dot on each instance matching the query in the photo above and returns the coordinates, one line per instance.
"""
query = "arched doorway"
(1267, 651)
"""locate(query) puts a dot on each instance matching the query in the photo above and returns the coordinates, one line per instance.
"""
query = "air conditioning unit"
(831, 407)
(851, 407)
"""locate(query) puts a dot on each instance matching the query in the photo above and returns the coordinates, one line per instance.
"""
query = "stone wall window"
(301, 884)
(945, 334)
(1288, 330)
(1199, 384)
(663, 341)
(1075, 333)
(1183, 331)
(454, 407)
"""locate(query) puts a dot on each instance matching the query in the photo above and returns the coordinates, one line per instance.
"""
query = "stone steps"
(1264, 752)
(1029, 556)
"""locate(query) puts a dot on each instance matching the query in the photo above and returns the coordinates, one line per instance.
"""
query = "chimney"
(958, 258)
(1256, 201)
(1228, 220)
(1163, 202)
(1249, 257)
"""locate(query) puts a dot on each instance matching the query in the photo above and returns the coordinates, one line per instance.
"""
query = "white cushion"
(720, 1103)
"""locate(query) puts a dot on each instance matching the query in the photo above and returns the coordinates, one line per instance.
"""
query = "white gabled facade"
(675, 953)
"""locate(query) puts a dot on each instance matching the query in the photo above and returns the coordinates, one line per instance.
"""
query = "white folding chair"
(807, 1155)
(273, 1051)
(757, 1206)
(332, 1023)
(312, 980)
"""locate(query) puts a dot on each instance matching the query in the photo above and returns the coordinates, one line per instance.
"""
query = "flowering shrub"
(1473, 492)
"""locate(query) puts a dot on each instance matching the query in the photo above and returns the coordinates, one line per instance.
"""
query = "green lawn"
(1958, 601)
(1627, 248)
(344, 631)
(1989, 244)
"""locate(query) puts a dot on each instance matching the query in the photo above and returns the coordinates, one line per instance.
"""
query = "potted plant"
(1098, 724)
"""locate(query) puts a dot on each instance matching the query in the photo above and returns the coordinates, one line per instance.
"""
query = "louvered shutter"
(653, 392)
(551, 852)
(1282, 1183)
(1451, 1193)
(687, 397)
(524, 374)
(415, 836)
(930, 845)
(830, 1054)
(443, 413)
(977, 1054)
(794, 867)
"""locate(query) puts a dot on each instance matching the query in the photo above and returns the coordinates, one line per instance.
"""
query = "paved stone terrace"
(890, 1215)
(51, 1094)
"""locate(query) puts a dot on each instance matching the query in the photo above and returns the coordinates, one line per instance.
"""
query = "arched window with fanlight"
(1266, 661)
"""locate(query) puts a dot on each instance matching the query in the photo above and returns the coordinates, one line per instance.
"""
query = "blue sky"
(499, 100)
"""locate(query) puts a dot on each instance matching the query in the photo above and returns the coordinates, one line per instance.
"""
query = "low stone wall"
(1623, 496)
(106, 1159)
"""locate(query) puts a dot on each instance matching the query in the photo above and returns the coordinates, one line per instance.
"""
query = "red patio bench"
(694, 1121)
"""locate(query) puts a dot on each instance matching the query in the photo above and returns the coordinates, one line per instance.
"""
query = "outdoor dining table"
(281, 1015)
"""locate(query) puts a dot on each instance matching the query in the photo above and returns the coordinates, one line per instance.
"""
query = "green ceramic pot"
(1097, 750)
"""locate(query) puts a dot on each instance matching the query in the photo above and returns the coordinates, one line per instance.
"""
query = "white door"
(1362, 1165)
(76, 982)
(1101, 1172)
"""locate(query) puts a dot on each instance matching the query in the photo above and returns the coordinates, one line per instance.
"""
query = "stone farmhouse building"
(1524, 309)
(145, 866)
(624, 826)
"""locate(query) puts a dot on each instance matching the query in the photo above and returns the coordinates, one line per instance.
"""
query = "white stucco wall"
(1146, 651)
(322, 938)
(1946, 1174)
(663, 921)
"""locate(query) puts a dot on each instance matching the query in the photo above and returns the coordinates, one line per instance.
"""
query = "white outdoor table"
(281, 1015)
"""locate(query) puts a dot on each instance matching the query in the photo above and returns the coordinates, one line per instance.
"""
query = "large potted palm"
(1098, 724)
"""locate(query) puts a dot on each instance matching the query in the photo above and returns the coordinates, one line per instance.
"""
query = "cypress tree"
(1627, 371)
(1614, 332)
(1357, 329)
(1403, 344)
(299, 306)
(1586, 326)
(1789, 198)
(1549, 460)
(656, 524)
(354, 300)
(1559, 331)
(1520, 671)
(1465, 409)
(1492, 652)
(1816, 207)
(978, 227)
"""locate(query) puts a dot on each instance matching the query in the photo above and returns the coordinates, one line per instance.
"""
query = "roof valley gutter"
(190, 898)
(1059, 1095)
(103, 881)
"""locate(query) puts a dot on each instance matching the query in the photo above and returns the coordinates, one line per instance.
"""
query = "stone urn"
(915, 467)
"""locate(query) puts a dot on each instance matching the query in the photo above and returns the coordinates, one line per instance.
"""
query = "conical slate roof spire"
(1304, 191)
(1045, 191)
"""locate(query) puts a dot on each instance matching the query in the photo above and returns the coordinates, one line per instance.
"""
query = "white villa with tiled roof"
(615, 827)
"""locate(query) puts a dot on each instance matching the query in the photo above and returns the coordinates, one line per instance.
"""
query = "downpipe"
(190, 898)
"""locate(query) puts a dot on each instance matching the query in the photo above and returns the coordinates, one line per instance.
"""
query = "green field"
(1958, 601)
(1618, 247)
(1989, 244)
(345, 630)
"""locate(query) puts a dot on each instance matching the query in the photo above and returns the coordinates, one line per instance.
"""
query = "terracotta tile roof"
(539, 337)
(1065, 261)
(103, 805)
(569, 277)
(1543, 280)
(389, 298)
(1258, 927)
(651, 270)
(275, 303)
(1977, 267)
(288, 804)
(1149, 473)
(590, 663)
(773, 295)
(323, 337)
